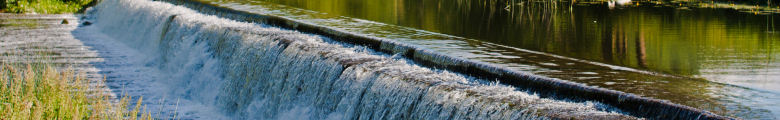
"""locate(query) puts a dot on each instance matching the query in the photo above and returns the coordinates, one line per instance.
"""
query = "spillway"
(248, 66)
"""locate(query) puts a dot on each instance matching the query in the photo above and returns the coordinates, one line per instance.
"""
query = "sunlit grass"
(39, 91)
(45, 6)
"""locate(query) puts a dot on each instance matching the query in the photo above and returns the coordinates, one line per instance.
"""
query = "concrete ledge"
(544, 86)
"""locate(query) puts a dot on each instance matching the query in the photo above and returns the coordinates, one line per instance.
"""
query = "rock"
(86, 23)
(64, 21)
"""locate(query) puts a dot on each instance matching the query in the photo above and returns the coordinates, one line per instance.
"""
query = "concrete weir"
(543, 86)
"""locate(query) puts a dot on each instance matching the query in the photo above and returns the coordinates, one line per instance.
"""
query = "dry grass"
(39, 91)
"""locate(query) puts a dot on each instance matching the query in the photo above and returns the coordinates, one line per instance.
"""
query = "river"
(719, 59)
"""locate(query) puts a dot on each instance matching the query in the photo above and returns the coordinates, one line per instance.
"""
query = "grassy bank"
(44, 6)
(39, 91)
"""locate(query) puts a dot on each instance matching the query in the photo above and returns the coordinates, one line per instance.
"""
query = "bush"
(45, 6)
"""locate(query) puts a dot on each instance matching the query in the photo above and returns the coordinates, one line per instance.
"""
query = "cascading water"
(254, 71)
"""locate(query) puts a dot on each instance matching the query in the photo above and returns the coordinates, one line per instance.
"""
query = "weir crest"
(260, 71)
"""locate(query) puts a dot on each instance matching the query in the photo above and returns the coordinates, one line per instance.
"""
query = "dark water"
(721, 60)
(723, 45)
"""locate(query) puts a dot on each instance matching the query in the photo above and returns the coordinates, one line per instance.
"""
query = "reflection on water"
(720, 60)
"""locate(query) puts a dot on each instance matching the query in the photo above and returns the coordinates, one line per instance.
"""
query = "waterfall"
(257, 71)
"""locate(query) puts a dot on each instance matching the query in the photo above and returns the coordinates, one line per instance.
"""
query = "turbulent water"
(224, 69)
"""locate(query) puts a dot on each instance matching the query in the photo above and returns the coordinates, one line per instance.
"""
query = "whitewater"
(194, 66)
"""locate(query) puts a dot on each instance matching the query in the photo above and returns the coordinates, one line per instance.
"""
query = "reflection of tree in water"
(615, 44)
(641, 50)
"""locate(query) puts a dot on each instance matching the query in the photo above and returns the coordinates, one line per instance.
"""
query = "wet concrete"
(34, 38)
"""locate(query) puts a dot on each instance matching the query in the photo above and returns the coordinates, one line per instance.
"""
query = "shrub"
(45, 6)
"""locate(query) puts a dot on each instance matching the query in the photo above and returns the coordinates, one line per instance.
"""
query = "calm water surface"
(721, 60)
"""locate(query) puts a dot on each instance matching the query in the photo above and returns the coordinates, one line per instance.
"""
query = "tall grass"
(39, 91)
(45, 6)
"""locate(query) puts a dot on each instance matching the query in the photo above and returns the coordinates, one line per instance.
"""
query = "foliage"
(45, 6)
(38, 91)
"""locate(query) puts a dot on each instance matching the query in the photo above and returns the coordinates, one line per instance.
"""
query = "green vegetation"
(38, 91)
(44, 6)
(24, 23)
